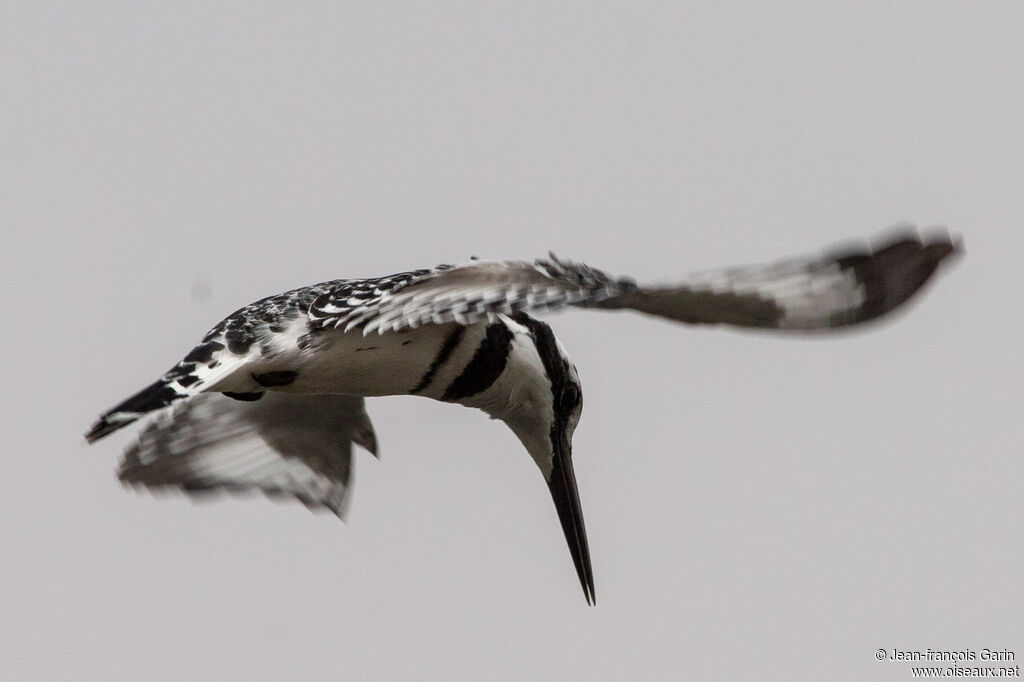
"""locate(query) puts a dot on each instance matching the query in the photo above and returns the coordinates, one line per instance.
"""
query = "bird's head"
(545, 422)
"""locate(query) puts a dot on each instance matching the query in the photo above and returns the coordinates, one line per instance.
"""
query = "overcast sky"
(758, 507)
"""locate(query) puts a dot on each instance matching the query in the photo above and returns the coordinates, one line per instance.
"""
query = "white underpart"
(391, 364)
(521, 397)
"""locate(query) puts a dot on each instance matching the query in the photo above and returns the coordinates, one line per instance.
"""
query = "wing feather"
(823, 292)
(282, 444)
(826, 292)
(470, 293)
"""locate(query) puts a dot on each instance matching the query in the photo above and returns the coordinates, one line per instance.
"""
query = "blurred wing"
(284, 445)
(812, 293)
(816, 293)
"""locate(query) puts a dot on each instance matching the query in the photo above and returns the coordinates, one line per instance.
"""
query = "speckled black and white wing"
(468, 293)
(351, 298)
(239, 355)
(255, 347)
(812, 293)
(258, 329)
(296, 446)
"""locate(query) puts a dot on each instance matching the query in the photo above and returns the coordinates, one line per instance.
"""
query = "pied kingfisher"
(272, 398)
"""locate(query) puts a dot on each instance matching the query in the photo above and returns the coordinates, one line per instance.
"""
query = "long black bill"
(567, 502)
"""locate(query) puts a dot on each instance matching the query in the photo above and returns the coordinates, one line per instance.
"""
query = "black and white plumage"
(272, 398)
(284, 445)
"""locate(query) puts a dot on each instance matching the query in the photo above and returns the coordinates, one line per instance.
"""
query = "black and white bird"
(272, 398)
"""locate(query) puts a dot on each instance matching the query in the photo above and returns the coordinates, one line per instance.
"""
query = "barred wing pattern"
(284, 445)
(846, 287)
(469, 293)
(812, 293)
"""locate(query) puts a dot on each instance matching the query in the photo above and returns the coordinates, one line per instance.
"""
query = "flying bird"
(273, 397)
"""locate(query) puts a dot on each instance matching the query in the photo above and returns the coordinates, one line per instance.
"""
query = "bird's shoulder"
(332, 300)
(239, 328)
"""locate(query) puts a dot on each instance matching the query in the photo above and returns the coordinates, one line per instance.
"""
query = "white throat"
(521, 397)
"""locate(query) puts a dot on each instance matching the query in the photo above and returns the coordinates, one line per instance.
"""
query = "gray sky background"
(758, 507)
